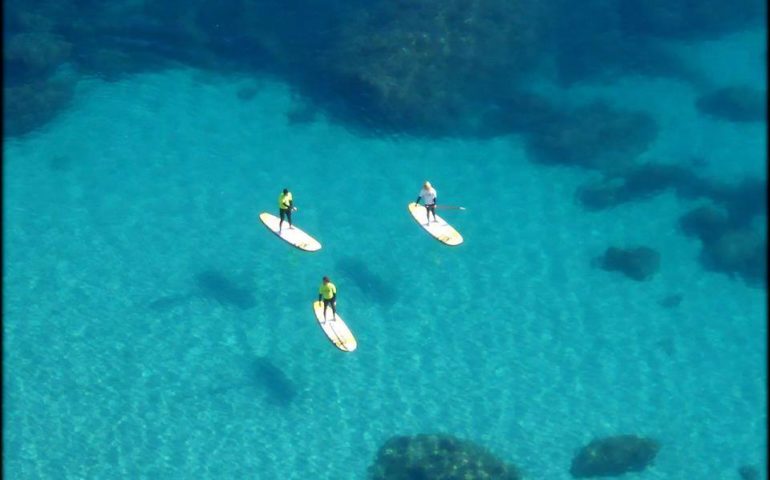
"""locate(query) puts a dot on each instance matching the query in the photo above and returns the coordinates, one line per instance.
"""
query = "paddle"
(448, 207)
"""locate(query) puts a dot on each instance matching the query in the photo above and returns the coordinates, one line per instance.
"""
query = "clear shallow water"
(141, 294)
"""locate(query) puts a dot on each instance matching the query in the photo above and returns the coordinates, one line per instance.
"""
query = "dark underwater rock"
(735, 104)
(593, 136)
(613, 456)
(30, 56)
(636, 183)
(638, 263)
(706, 222)
(744, 200)
(591, 43)
(689, 19)
(671, 301)
(247, 93)
(748, 472)
(518, 112)
(437, 457)
(601, 194)
(739, 252)
(422, 63)
(32, 105)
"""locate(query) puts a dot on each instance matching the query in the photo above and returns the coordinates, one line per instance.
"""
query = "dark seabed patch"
(730, 243)
(749, 472)
(637, 263)
(613, 456)
(247, 93)
(671, 301)
(734, 104)
(439, 457)
(301, 112)
(596, 136)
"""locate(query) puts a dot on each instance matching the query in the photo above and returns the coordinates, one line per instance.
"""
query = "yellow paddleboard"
(439, 228)
(293, 236)
(334, 328)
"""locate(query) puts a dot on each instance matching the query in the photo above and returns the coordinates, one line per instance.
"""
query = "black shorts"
(285, 213)
(328, 301)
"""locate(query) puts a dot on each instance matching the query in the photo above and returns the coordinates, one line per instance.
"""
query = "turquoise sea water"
(154, 329)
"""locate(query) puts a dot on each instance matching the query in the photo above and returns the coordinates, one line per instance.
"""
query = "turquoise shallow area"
(143, 299)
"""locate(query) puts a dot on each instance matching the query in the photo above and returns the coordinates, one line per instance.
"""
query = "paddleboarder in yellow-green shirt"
(328, 294)
(285, 207)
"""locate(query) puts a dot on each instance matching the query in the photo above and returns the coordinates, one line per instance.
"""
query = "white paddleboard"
(334, 328)
(439, 228)
(294, 236)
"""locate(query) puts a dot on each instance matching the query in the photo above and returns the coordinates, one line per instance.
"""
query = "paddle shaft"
(448, 207)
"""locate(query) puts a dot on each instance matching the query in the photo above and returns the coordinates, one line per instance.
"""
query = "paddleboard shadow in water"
(265, 377)
(367, 281)
(214, 285)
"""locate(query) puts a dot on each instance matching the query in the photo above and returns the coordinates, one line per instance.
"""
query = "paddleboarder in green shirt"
(328, 294)
(285, 207)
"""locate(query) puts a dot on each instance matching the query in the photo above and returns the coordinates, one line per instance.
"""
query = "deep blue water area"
(610, 159)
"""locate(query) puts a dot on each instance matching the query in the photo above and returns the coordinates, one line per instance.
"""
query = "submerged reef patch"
(34, 55)
(422, 64)
(730, 244)
(29, 106)
(735, 104)
(425, 67)
(687, 19)
(637, 263)
(593, 136)
(613, 456)
(437, 457)
(748, 472)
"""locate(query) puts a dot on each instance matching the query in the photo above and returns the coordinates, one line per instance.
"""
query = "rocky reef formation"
(735, 104)
(28, 106)
(686, 19)
(593, 136)
(613, 456)
(607, 48)
(748, 472)
(638, 263)
(636, 183)
(437, 457)
(732, 224)
(741, 252)
(33, 93)
(730, 245)
(431, 67)
(28, 56)
(426, 63)
(706, 222)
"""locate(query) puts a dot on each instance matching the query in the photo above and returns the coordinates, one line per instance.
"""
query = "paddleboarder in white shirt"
(429, 198)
